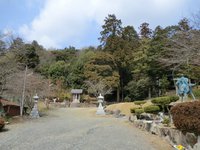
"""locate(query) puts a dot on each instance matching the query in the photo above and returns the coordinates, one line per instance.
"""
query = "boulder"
(116, 113)
(191, 139)
(145, 116)
(109, 112)
(197, 145)
(132, 118)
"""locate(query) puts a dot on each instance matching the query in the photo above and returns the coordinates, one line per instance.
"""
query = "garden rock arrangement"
(186, 129)
(172, 135)
(116, 113)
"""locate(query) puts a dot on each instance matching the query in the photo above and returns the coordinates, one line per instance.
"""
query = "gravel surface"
(77, 129)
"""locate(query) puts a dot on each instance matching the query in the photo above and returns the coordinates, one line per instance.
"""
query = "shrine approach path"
(78, 129)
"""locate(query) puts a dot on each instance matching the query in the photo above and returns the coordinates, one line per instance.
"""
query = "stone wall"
(175, 137)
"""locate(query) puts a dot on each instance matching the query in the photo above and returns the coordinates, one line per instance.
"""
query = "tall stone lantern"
(34, 112)
(100, 109)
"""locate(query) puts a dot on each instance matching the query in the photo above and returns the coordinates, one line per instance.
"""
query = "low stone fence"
(175, 137)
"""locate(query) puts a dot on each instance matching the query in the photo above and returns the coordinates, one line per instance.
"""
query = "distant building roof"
(77, 91)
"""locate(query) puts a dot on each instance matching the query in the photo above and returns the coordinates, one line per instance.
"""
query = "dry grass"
(125, 107)
(42, 107)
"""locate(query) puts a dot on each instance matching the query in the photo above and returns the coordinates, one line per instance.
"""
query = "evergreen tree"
(145, 31)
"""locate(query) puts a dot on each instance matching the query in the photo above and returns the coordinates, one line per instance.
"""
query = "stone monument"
(184, 87)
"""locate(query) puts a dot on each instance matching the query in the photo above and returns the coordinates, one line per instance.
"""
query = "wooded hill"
(134, 66)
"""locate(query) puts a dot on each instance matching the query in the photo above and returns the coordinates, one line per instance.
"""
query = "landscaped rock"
(145, 116)
(172, 135)
(148, 125)
(132, 118)
(191, 139)
(197, 145)
(116, 113)
(109, 112)
(122, 115)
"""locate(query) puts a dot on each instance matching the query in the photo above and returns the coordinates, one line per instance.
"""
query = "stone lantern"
(100, 110)
(34, 112)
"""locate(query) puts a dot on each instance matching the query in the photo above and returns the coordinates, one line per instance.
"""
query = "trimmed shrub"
(137, 111)
(164, 101)
(139, 102)
(152, 109)
(173, 98)
(132, 110)
(186, 116)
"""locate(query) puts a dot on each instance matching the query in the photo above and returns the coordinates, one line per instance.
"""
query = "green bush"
(137, 111)
(161, 101)
(152, 109)
(166, 121)
(132, 110)
(127, 99)
(186, 116)
(173, 98)
(164, 101)
(196, 93)
(139, 102)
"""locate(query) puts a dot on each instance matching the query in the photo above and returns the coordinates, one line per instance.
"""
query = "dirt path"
(78, 129)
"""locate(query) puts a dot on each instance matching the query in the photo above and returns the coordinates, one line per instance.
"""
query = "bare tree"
(7, 62)
(184, 50)
(35, 83)
(196, 20)
(98, 87)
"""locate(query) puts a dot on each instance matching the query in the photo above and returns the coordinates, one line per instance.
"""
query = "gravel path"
(77, 129)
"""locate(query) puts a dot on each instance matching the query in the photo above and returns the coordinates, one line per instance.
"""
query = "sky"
(62, 23)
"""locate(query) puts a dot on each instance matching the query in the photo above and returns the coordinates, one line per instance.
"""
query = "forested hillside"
(129, 64)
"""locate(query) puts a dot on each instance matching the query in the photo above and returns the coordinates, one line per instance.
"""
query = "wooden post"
(23, 92)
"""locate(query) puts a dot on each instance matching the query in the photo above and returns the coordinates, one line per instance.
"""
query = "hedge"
(173, 98)
(137, 111)
(164, 101)
(152, 109)
(139, 102)
(186, 116)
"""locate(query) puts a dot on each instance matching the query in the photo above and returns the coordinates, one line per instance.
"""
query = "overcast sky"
(63, 23)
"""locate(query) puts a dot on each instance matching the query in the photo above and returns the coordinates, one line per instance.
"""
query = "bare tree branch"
(97, 87)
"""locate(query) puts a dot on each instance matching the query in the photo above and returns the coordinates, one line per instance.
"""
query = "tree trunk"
(122, 90)
(149, 95)
(118, 94)
(23, 92)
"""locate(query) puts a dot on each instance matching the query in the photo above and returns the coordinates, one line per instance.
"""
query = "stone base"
(34, 114)
(75, 104)
(100, 112)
